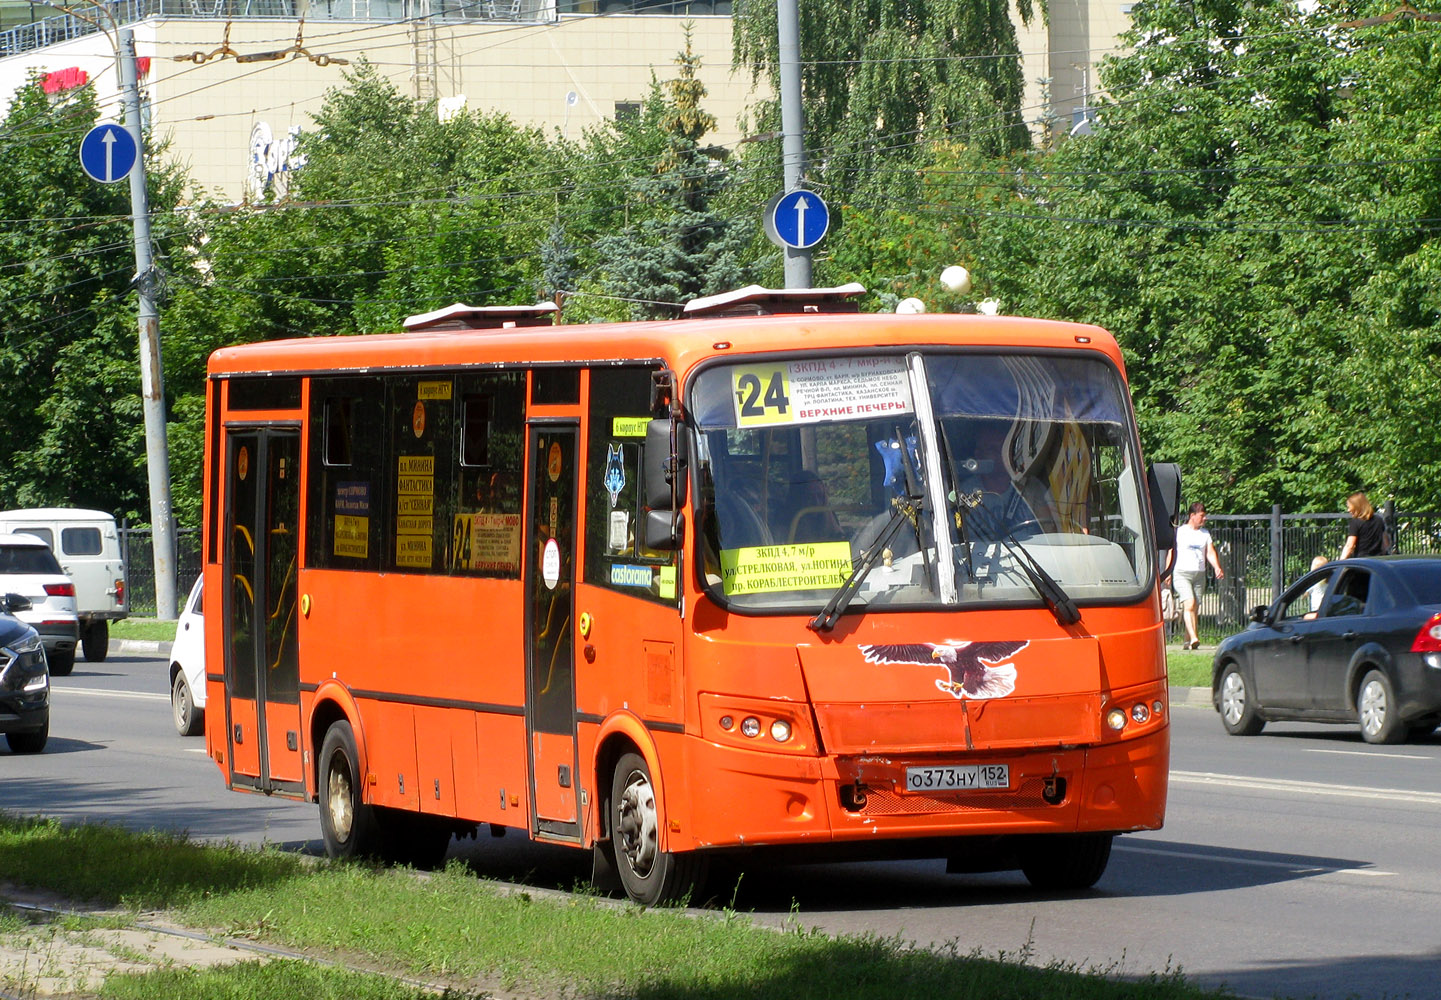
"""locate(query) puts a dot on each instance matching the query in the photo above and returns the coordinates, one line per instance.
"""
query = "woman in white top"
(1194, 549)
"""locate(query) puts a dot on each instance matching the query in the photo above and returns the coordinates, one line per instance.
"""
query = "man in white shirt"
(1194, 549)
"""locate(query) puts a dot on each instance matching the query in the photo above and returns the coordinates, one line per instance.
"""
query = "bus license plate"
(958, 778)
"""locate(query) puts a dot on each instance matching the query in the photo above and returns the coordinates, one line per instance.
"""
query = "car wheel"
(650, 875)
(189, 720)
(348, 826)
(1376, 709)
(61, 663)
(29, 742)
(1238, 710)
(96, 641)
(1065, 861)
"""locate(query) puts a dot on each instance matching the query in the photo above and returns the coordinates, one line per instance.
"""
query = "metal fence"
(63, 27)
(1262, 553)
(139, 554)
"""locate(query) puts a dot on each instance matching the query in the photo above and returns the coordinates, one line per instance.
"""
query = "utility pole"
(152, 383)
(793, 153)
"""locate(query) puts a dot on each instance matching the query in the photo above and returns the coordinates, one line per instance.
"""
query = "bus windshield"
(934, 478)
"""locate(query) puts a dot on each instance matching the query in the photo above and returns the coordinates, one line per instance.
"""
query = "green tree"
(1253, 217)
(69, 349)
(683, 246)
(881, 78)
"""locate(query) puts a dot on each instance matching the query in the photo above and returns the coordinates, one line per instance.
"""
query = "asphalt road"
(1298, 863)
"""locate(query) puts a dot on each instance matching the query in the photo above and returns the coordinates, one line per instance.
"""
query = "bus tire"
(349, 827)
(1065, 862)
(650, 876)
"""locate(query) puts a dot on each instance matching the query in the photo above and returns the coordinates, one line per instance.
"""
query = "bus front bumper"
(1109, 787)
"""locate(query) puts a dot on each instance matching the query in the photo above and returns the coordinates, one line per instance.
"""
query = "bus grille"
(883, 802)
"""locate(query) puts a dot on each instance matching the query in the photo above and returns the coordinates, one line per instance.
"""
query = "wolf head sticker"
(973, 669)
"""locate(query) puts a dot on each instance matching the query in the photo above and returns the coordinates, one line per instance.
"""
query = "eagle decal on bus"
(973, 669)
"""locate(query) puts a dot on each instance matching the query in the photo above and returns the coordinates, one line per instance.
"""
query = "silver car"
(29, 568)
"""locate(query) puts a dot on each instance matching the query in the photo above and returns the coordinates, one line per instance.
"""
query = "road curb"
(152, 646)
(1190, 696)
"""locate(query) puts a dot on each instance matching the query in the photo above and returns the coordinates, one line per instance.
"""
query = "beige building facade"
(230, 117)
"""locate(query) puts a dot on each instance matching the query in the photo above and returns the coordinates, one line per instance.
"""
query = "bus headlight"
(1116, 719)
(751, 726)
(780, 730)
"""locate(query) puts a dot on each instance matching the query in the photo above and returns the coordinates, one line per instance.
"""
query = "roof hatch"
(753, 300)
(464, 317)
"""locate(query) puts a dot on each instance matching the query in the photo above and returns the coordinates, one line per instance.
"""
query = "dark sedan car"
(24, 680)
(1357, 641)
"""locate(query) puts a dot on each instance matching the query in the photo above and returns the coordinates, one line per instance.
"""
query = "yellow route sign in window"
(762, 569)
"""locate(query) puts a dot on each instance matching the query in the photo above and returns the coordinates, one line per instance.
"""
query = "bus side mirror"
(664, 465)
(664, 530)
(1163, 480)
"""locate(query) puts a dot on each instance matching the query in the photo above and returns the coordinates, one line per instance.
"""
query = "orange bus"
(773, 577)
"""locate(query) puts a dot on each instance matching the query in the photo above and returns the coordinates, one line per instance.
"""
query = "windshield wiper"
(906, 510)
(1049, 589)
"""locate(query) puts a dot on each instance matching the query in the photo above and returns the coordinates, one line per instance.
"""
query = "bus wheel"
(650, 875)
(1065, 861)
(347, 824)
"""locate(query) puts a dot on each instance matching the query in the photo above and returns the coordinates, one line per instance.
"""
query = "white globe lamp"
(956, 279)
(910, 307)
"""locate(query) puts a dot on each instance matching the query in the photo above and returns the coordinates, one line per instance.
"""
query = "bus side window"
(615, 556)
(346, 496)
(421, 422)
(485, 516)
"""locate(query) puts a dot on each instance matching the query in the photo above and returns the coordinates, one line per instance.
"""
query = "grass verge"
(146, 629)
(1188, 668)
(451, 930)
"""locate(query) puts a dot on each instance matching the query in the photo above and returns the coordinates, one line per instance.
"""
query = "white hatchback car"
(29, 568)
(187, 667)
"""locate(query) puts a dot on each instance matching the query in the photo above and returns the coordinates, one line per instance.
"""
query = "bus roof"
(680, 344)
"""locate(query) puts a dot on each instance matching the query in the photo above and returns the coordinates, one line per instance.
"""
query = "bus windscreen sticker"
(763, 569)
(973, 669)
(614, 472)
(352, 520)
(488, 543)
(414, 520)
(808, 392)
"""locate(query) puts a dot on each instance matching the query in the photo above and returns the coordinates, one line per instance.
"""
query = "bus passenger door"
(262, 668)
(550, 649)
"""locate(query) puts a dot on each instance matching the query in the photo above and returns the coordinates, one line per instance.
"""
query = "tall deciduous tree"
(880, 77)
(1254, 216)
(71, 429)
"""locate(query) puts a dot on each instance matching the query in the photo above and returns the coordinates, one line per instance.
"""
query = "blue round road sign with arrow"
(799, 219)
(107, 153)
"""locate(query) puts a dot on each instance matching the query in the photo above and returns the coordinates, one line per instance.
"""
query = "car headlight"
(26, 664)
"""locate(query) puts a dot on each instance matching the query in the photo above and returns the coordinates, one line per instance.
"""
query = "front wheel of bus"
(1066, 861)
(347, 824)
(650, 876)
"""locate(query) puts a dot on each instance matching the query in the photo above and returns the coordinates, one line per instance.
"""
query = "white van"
(88, 546)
